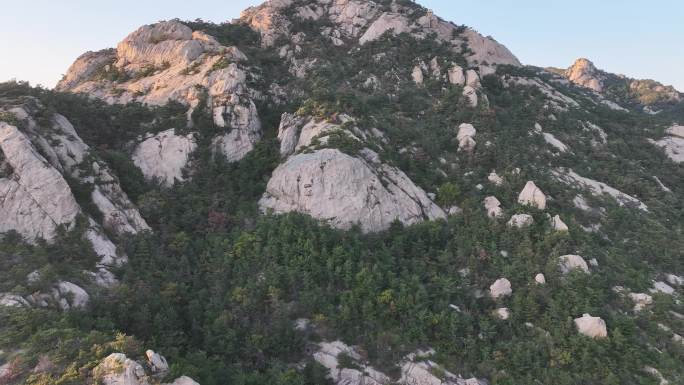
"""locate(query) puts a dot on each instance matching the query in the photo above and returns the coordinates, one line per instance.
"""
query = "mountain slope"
(343, 191)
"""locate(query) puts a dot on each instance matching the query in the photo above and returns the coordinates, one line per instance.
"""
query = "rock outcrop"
(531, 195)
(584, 74)
(568, 263)
(117, 369)
(164, 156)
(500, 288)
(593, 327)
(366, 21)
(327, 355)
(69, 295)
(157, 362)
(36, 199)
(166, 62)
(673, 143)
(344, 190)
(571, 178)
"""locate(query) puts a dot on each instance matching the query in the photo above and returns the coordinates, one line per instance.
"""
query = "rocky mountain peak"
(584, 73)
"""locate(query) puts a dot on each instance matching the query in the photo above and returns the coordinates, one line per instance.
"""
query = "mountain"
(650, 96)
(338, 191)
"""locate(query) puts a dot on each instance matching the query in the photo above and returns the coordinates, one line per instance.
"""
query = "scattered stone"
(540, 279)
(568, 263)
(593, 327)
(500, 288)
(521, 220)
(503, 313)
(465, 137)
(495, 179)
(558, 225)
(493, 207)
(641, 300)
(531, 195)
(417, 75)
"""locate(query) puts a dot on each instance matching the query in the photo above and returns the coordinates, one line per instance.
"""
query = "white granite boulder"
(521, 220)
(500, 288)
(531, 195)
(593, 327)
(568, 263)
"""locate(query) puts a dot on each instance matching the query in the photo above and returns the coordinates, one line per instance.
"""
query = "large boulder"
(531, 195)
(345, 190)
(164, 156)
(568, 263)
(558, 225)
(69, 295)
(466, 137)
(500, 288)
(521, 220)
(493, 207)
(593, 327)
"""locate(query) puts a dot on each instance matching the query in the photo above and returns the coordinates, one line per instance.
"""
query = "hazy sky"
(39, 39)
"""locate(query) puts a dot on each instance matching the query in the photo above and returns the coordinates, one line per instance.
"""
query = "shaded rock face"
(593, 327)
(166, 62)
(164, 156)
(343, 191)
(585, 74)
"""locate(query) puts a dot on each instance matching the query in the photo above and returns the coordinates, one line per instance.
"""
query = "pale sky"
(642, 39)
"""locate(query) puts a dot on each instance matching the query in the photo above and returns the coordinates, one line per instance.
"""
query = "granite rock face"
(164, 156)
(36, 198)
(343, 190)
(584, 73)
(166, 62)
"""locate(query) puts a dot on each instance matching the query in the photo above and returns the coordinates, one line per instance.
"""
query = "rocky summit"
(344, 192)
